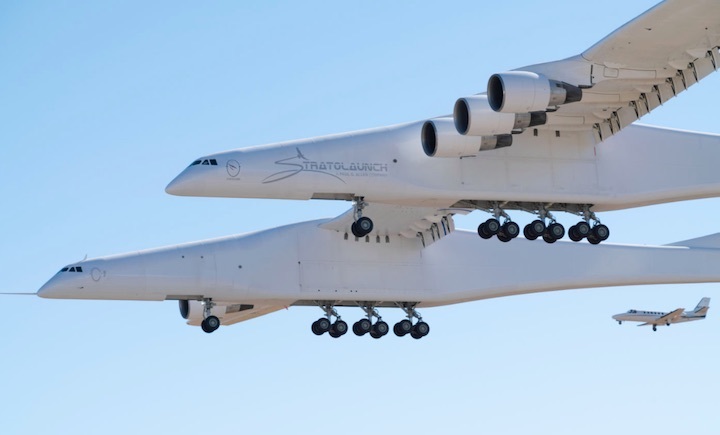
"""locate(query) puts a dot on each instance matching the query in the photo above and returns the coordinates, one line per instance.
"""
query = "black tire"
(415, 335)
(511, 229)
(362, 327)
(205, 328)
(355, 230)
(556, 230)
(528, 233)
(421, 328)
(601, 232)
(315, 329)
(548, 238)
(538, 227)
(364, 225)
(503, 237)
(323, 324)
(380, 328)
(482, 232)
(492, 226)
(402, 328)
(340, 327)
(212, 323)
(582, 229)
(593, 240)
(572, 232)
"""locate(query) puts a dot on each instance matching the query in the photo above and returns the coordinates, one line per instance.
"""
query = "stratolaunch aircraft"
(544, 138)
(655, 318)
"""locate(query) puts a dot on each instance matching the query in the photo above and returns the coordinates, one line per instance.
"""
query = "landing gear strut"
(210, 323)
(324, 324)
(405, 326)
(362, 225)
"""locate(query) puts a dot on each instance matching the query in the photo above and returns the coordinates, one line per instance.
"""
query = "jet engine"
(192, 311)
(523, 91)
(441, 139)
(474, 117)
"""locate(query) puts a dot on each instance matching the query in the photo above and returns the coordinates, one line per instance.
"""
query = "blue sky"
(103, 103)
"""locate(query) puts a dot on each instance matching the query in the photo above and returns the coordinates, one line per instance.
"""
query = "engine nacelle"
(474, 117)
(523, 91)
(441, 139)
(192, 311)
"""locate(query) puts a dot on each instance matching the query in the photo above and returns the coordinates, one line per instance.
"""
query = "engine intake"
(474, 117)
(441, 139)
(523, 91)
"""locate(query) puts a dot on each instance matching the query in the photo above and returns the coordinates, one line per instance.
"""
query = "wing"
(670, 317)
(425, 223)
(636, 68)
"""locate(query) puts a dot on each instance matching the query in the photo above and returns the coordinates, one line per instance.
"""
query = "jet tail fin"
(702, 307)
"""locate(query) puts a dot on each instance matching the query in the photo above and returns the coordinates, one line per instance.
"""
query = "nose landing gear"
(210, 323)
(362, 225)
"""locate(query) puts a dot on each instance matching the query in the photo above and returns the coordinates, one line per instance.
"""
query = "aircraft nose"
(185, 184)
(53, 289)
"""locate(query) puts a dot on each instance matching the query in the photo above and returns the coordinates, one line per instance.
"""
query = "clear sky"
(103, 103)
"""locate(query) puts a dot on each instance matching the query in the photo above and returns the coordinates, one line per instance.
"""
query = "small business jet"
(553, 137)
(655, 318)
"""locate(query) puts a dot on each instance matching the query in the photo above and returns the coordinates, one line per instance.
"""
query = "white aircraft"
(545, 138)
(655, 318)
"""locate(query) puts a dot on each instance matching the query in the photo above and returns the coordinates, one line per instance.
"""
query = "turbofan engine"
(192, 311)
(441, 139)
(523, 91)
(474, 117)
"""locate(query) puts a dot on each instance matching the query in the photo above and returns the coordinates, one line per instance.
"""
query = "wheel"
(364, 225)
(548, 238)
(582, 229)
(572, 232)
(654, 327)
(315, 329)
(415, 335)
(528, 233)
(537, 226)
(619, 322)
(380, 328)
(556, 230)
(593, 240)
(212, 323)
(205, 328)
(601, 232)
(482, 231)
(503, 237)
(362, 327)
(322, 325)
(402, 327)
(355, 230)
(492, 226)
(338, 329)
(421, 328)
(511, 229)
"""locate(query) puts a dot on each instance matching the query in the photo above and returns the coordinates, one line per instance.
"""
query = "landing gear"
(534, 229)
(364, 326)
(492, 227)
(654, 327)
(405, 326)
(582, 230)
(210, 323)
(324, 324)
(362, 225)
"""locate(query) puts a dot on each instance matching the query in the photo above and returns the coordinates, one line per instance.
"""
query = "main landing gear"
(364, 326)
(324, 324)
(362, 226)
(545, 226)
(210, 323)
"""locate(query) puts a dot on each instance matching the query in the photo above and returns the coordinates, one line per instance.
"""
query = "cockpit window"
(210, 162)
(71, 269)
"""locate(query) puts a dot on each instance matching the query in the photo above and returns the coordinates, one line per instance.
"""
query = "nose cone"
(188, 183)
(62, 286)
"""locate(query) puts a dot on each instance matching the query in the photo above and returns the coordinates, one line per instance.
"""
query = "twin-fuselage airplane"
(656, 318)
(543, 139)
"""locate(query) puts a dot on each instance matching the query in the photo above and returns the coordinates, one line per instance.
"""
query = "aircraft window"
(64, 269)
(205, 162)
(196, 162)
(72, 269)
(213, 162)
(78, 269)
